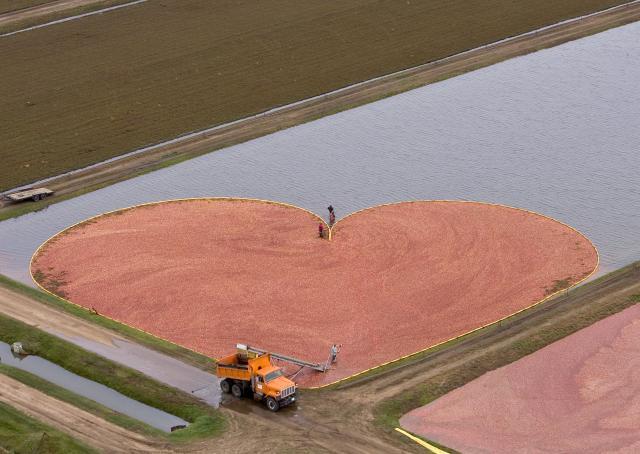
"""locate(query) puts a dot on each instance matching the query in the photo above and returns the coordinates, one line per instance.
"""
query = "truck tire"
(236, 390)
(225, 386)
(272, 404)
(35, 198)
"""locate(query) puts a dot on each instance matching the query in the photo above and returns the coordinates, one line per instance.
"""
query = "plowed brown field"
(394, 279)
(110, 83)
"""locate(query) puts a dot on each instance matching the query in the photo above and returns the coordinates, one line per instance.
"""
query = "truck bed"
(230, 367)
(39, 193)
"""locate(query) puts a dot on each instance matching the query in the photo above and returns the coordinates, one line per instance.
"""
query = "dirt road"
(46, 9)
(80, 424)
(21, 307)
(56, 12)
(295, 114)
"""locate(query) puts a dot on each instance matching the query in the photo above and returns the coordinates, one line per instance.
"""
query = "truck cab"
(271, 382)
(246, 374)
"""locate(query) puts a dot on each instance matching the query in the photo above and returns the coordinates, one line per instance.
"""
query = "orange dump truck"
(247, 374)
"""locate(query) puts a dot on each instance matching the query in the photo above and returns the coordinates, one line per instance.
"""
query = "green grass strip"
(22, 434)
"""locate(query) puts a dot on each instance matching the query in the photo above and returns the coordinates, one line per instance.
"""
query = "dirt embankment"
(21, 307)
(363, 93)
(80, 424)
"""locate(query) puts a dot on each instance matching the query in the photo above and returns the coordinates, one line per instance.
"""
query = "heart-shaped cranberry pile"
(393, 280)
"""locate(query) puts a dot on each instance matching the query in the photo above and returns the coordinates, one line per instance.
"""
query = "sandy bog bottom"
(395, 279)
(580, 394)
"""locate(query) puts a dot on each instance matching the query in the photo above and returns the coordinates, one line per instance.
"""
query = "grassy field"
(22, 434)
(14, 5)
(205, 420)
(104, 85)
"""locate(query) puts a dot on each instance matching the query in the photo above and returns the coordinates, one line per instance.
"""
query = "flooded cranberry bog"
(392, 280)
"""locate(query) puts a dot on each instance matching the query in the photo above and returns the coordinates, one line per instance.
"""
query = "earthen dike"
(392, 280)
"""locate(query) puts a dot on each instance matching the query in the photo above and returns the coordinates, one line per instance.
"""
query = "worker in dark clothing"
(321, 230)
(332, 216)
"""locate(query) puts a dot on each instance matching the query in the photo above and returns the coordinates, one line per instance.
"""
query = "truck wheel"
(35, 198)
(236, 390)
(225, 386)
(272, 404)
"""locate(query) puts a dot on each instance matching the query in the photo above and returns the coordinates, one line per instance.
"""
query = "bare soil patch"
(395, 279)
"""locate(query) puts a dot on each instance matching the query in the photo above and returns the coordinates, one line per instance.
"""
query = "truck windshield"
(272, 375)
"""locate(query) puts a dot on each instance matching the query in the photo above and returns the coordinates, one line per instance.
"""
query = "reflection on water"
(91, 390)
(557, 132)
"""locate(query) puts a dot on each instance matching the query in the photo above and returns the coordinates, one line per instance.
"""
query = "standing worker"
(332, 216)
(335, 349)
(321, 230)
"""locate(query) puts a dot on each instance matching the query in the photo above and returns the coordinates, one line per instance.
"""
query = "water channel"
(91, 390)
